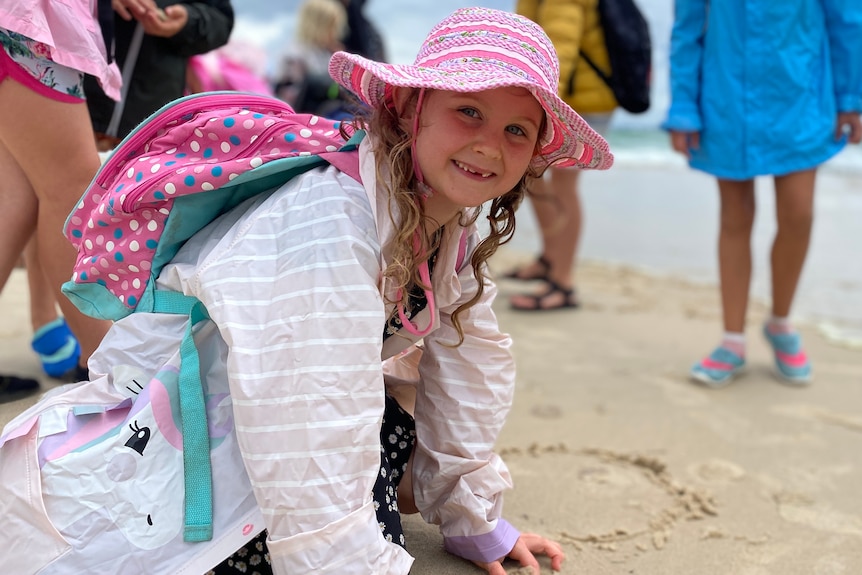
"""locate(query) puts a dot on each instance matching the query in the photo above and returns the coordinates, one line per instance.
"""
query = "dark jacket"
(362, 36)
(160, 70)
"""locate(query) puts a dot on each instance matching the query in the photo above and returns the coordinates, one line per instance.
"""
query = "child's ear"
(405, 106)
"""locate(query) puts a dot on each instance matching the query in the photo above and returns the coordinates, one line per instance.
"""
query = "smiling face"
(473, 147)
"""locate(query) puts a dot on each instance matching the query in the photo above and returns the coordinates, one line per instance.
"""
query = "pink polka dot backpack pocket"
(184, 166)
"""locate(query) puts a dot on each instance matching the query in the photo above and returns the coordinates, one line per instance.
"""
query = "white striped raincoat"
(293, 282)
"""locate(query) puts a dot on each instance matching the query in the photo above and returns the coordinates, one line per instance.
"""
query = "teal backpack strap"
(196, 446)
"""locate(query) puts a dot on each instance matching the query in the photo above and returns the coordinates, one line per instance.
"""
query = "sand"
(632, 467)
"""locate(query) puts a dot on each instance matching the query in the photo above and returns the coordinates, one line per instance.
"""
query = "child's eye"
(472, 112)
(516, 130)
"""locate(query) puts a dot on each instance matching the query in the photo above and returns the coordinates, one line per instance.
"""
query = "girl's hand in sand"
(685, 142)
(524, 551)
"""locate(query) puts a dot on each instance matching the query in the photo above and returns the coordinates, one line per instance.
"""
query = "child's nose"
(488, 144)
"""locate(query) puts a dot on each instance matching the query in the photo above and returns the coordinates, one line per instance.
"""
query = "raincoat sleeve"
(462, 402)
(686, 65)
(844, 27)
(293, 289)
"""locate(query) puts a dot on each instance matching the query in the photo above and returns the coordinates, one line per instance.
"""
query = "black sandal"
(12, 388)
(515, 274)
(569, 299)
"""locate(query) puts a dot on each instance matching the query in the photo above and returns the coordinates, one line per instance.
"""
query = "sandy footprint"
(794, 440)
(681, 392)
(817, 478)
(799, 508)
(766, 553)
(823, 415)
(831, 566)
(753, 570)
(546, 411)
(726, 424)
(716, 471)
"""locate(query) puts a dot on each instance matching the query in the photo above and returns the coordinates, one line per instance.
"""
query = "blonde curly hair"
(321, 23)
(393, 153)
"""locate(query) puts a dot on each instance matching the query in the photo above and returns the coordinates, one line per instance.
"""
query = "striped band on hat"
(477, 49)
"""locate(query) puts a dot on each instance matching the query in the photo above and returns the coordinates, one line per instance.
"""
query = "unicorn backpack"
(184, 166)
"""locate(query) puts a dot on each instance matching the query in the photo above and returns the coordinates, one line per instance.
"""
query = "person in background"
(763, 89)
(303, 79)
(168, 34)
(362, 36)
(154, 40)
(47, 153)
(574, 27)
(55, 345)
(237, 65)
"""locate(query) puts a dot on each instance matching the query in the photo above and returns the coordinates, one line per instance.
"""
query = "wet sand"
(635, 469)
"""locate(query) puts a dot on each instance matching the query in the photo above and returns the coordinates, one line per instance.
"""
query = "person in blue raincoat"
(763, 88)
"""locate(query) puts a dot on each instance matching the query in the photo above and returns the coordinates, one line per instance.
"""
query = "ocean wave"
(651, 149)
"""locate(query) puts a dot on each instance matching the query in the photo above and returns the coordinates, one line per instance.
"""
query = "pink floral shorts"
(29, 63)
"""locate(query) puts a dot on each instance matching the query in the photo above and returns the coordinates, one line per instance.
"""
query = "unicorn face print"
(134, 457)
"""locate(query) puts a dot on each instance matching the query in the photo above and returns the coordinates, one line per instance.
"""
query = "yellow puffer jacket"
(573, 25)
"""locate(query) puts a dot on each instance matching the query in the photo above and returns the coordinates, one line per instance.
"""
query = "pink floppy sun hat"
(476, 49)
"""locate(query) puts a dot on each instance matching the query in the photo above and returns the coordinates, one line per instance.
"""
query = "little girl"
(762, 89)
(310, 288)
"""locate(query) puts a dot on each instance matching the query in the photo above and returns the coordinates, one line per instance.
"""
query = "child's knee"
(406, 501)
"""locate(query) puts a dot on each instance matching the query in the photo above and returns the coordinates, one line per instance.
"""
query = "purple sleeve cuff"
(486, 547)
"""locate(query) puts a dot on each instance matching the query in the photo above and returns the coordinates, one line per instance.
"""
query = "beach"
(651, 212)
(612, 450)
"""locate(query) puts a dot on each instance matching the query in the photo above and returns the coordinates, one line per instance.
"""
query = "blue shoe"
(57, 348)
(790, 359)
(719, 368)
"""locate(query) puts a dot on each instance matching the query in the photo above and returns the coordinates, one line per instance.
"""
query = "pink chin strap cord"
(424, 272)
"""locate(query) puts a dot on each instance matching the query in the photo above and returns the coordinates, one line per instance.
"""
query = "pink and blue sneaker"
(790, 359)
(719, 368)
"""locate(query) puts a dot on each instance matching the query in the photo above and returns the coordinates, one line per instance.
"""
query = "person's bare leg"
(539, 200)
(561, 225)
(43, 304)
(18, 216)
(734, 250)
(406, 500)
(17, 223)
(734, 270)
(53, 143)
(557, 205)
(794, 210)
(57, 348)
